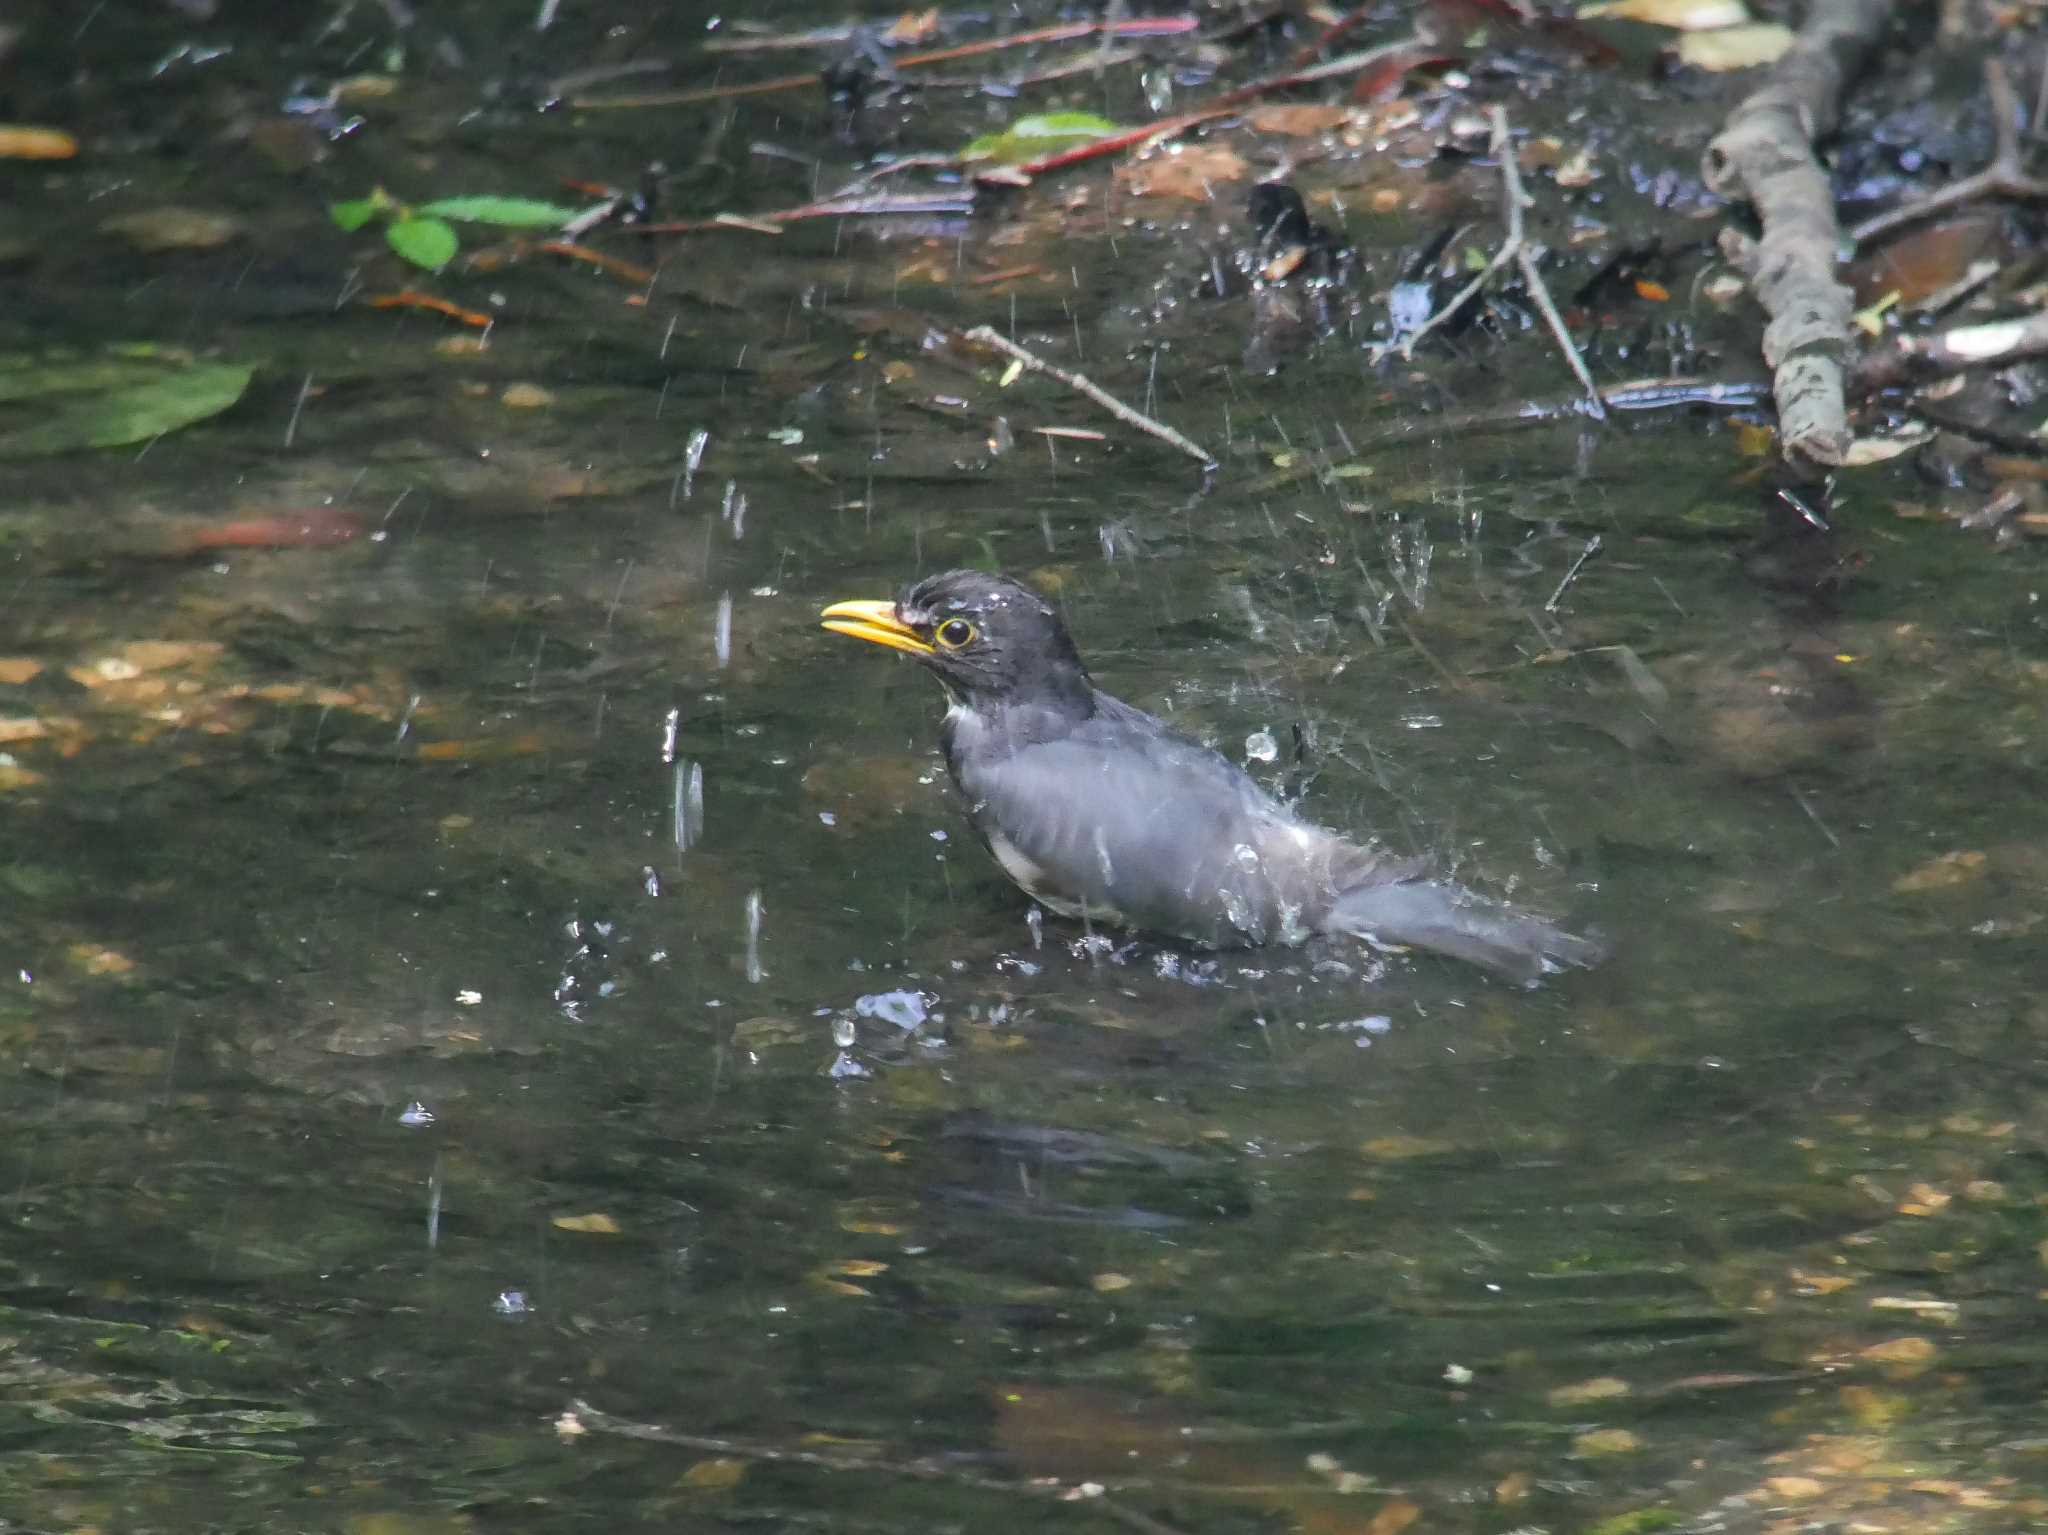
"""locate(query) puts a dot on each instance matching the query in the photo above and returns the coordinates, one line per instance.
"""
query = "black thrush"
(1101, 811)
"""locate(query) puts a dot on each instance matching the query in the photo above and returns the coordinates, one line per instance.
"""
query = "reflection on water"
(511, 957)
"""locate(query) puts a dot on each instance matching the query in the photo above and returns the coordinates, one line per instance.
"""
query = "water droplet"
(510, 1303)
(1260, 746)
(670, 725)
(415, 1116)
(846, 1066)
(687, 806)
(721, 631)
(755, 973)
(692, 457)
(844, 1032)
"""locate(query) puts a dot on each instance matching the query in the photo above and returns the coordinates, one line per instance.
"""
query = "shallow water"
(387, 1076)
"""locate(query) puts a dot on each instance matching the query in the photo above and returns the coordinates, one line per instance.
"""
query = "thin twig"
(1667, 394)
(1087, 61)
(1510, 247)
(1154, 26)
(588, 1417)
(913, 206)
(2005, 176)
(1172, 127)
(1513, 247)
(1439, 430)
(1511, 182)
(987, 336)
(2020, 444)
(693, 96)
(815, 37)
(1451, 679)
(1592, 548)
(1920, 358)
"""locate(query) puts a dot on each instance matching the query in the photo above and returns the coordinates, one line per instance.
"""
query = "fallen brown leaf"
(596, 1223)
(1943, 873)
(1186, 171)
(1297, 119)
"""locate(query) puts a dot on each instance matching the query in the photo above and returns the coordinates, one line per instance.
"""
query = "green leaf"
(355, 214)
(1044, 133)
(510, 212)
(425, 242)
(62, 402)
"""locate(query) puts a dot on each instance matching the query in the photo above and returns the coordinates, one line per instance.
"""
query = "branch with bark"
(1765, 155)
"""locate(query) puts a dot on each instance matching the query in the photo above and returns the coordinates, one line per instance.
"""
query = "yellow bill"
(875, 621)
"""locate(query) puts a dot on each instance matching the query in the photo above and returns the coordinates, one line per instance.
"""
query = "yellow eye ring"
(954, 633)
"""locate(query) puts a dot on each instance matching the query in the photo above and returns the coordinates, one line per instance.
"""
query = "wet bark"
(1765, 155)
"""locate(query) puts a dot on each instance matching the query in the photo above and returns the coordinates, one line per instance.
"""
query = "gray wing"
(1123, 819)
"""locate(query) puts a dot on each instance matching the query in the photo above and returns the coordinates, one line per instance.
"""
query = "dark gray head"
(990, 640)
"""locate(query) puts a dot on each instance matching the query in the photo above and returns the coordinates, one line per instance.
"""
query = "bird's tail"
(1453, 920)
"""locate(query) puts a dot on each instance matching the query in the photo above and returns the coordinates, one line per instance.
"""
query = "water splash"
(687, 806)
(433, 1200)
(907, 1010)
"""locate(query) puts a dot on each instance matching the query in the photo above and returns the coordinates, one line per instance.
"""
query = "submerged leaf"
(171, 229)
(425, 242)
(125, 396)
(1680, 15)
(20, 142)
(354, 214)
(1042, 133)
(510, 212)
(596, 1223)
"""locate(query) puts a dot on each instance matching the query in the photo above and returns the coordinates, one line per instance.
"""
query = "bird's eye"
(954, 633)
